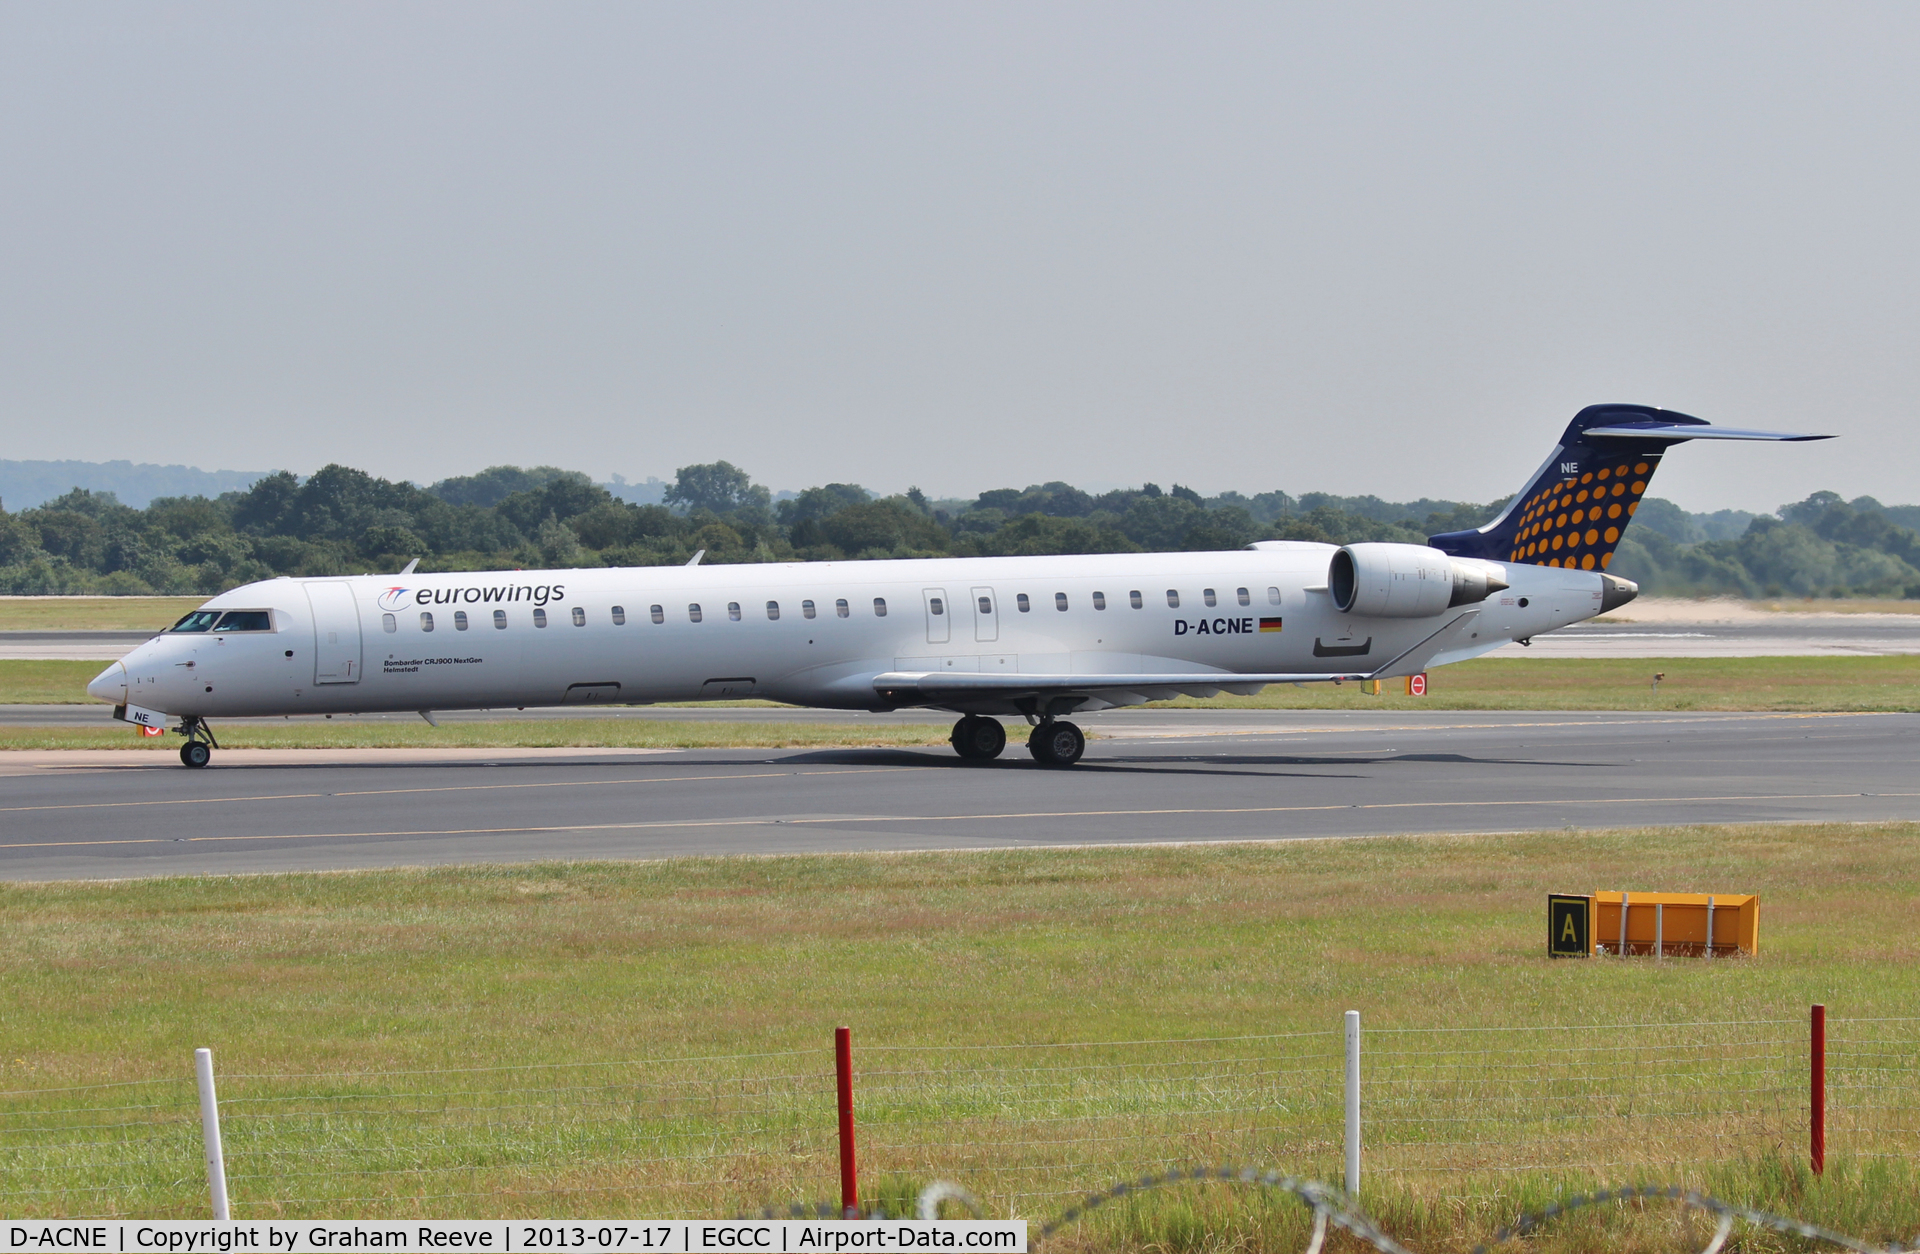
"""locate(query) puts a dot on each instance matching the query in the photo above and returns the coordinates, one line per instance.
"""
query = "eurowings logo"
(392, 598)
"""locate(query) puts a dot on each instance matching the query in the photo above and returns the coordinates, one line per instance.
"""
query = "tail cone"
(1616, 592)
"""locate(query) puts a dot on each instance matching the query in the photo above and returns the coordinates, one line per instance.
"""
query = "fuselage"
(813, 633)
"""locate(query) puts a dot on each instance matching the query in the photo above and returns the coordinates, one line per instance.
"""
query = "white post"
(1353, 1103)
(1709, 951)
(1623, 925)
(210, 1132)
(1659, 930)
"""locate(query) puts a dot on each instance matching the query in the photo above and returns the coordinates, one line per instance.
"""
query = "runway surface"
(1749, 635)
(1156, 775)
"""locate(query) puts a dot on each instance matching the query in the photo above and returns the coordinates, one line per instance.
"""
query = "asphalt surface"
(1155, 776)
(1781, 635)
(100, 646)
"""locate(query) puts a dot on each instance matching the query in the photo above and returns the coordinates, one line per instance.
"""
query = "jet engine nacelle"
(1406, 580)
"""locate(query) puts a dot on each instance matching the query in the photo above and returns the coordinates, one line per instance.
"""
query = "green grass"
(571, 733)
(316, 990)
(1757, 683)
(24, 682)
(93, 613)
(1747, 683)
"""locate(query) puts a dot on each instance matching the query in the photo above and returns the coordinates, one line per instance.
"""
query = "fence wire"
(1028, 1127)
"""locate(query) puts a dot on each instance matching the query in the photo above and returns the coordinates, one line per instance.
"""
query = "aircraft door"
(986, 618)
(336, 633)
(939, 615)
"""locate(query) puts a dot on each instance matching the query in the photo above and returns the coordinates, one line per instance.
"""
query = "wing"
(941, 687)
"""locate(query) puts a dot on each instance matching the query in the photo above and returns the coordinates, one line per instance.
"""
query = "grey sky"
(1346, 247)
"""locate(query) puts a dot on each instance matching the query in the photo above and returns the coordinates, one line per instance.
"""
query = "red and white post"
(1817, 1105)
(849, 1173)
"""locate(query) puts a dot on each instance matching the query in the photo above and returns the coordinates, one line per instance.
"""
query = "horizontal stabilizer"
(1676, 432)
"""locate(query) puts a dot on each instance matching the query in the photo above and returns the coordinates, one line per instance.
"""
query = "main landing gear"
(198, 751)
(978, 739)
(1054, 742)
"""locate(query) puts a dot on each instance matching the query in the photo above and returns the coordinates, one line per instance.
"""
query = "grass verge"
(643, 1014)
(1735, 683)
(93, 613)
(1753, 683)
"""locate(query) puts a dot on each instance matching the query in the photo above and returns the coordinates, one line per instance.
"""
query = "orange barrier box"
(1660, 925)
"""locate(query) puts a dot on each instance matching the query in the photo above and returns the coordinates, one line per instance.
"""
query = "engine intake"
(1406, 580)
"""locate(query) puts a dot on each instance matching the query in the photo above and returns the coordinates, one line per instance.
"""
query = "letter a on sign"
(1569, 926)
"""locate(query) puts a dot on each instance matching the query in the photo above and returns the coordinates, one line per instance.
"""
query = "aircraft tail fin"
(1575, 508)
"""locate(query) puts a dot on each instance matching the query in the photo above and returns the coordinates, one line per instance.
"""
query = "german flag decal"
(1269, 624)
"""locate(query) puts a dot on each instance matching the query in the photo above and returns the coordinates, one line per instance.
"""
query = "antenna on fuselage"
(695, 559)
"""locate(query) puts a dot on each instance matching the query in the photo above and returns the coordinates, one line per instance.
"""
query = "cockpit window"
(246, 620)
(199, 620)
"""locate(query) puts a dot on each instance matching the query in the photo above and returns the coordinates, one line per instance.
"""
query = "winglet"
(695, 559)
(408, 568)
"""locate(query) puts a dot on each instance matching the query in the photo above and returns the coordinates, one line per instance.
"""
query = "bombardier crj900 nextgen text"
(1040, 637)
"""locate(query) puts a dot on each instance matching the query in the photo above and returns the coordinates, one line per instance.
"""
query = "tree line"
(343, 521)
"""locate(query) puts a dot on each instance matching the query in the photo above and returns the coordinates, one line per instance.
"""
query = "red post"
(1818, 1106)
(849, 1176)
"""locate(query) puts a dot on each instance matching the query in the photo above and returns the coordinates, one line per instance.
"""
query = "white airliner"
(1039, 637)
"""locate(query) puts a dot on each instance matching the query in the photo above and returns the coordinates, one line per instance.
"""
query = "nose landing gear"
(198, 751)
(978, 739)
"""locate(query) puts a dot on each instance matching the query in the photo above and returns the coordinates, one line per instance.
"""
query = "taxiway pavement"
(1153, 776)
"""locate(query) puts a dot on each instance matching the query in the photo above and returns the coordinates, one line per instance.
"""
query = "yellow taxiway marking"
(952, 818)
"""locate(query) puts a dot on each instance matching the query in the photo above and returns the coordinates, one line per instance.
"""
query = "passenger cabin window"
(806, 609)
(1273, 596)
(840, 607)
(539, 618)
(1245, 599)
(986, 605)
(426, 621)
(1060, 602)
(1134, 599)
(658, 613)
(1173, 599)
(199, 620)
(1208, 597)
(619, 616)
(693, 612)
(879, 607)
(387, 623)
(245, 620)
(1024, 604)
(1099, 600)
(773, 609)
(579, 616)
(459, 620)
(936, 606)
(500, 620)
(733, 611)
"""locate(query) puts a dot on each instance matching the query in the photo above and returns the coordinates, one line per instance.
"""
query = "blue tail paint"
(1574, 510)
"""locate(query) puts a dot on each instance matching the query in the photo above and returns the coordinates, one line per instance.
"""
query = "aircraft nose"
(110, 685)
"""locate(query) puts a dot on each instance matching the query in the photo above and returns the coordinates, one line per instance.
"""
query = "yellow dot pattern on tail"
(1577, 522)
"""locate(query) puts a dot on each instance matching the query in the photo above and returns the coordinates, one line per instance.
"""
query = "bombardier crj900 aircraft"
(1039, 637)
